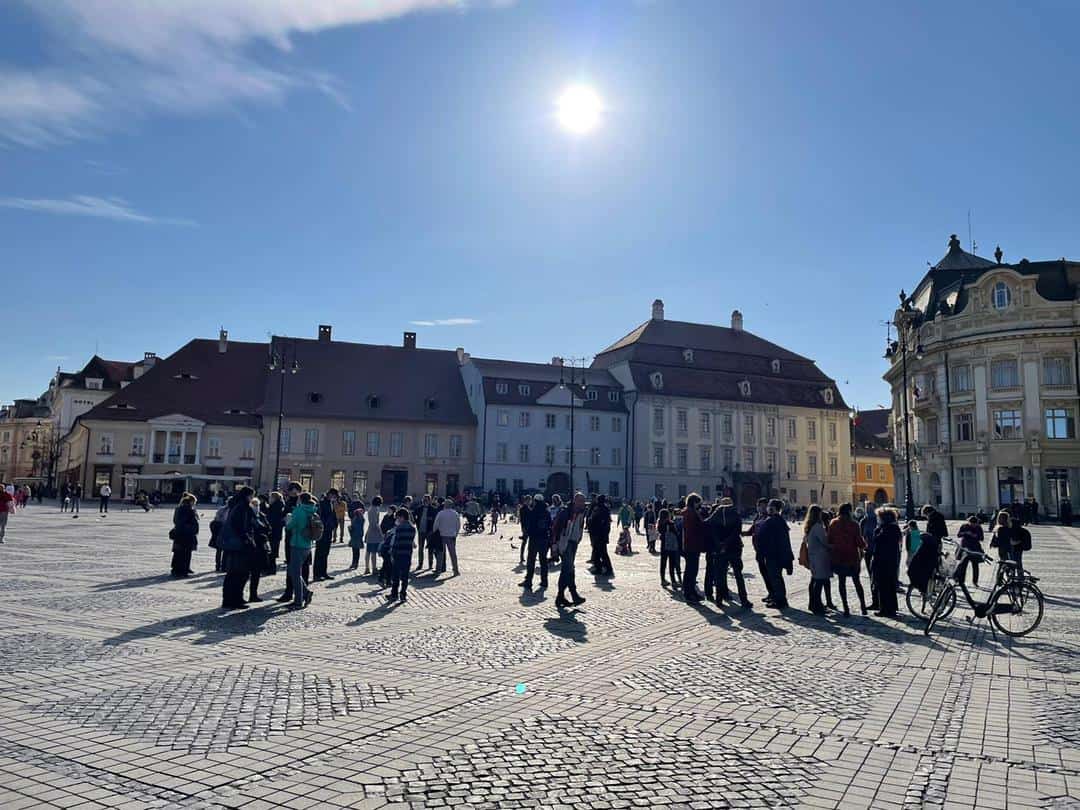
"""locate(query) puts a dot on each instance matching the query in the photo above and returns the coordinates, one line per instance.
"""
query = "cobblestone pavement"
(120, 687)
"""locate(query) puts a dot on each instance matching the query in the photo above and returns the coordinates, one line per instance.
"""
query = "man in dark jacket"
(322, 547)
(539, 534)
(237, 539)
(755, 529)
(424, 518)
(774, 543)
(868, 527)
(726, 527)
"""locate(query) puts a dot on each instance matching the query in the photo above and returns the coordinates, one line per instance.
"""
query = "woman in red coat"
(694, 534)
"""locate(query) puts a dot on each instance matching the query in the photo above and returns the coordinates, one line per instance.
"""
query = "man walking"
(539, 532)
(447, 525)
(567, 531)
(774, 543)
(106, 493)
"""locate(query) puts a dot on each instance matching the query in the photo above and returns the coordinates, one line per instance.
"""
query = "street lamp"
(280, 364)
(570, 385)
(904, 321)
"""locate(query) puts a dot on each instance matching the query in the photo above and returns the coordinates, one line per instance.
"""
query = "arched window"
(1002, 295)
(744, 388)
(775, 366)
(657, 380)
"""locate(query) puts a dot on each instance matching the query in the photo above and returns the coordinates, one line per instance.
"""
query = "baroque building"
(992, 390)
(872, 454)
(720, 410)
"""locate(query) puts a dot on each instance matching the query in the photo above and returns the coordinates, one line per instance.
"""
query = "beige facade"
(370, 457)
(25, 445)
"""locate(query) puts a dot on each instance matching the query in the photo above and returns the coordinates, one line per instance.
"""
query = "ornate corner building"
(992, 391)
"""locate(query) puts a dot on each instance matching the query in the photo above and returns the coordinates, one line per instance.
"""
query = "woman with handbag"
(184, 536)
(817, 557)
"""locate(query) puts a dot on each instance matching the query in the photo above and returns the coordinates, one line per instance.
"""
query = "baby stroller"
(474, 524)
(624, 546)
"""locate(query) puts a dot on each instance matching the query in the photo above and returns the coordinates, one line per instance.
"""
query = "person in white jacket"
(373, 537)
(447, 526)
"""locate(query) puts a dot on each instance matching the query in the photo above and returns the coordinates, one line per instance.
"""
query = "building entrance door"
(558, 483)
(1057, 490)
(395, 485)
(1010, 485)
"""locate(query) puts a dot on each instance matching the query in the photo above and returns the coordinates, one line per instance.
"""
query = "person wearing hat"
(539, 534)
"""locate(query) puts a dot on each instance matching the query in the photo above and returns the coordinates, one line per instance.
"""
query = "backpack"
(315, 527)
(1025, 540)
(671, 538)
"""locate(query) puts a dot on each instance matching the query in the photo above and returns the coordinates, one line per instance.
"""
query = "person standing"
(694, 537)
(539, 533)
(300, 544)
(328, 514)
(184, 534)
(726, 522)
(356, 533)
(236, 540)
(887, 541)
(1020, 541)
(639, 515)
(759, 556)
(425, 519)
(275, 516)
(846, 545)
(670, 549)
(774, 544)
(599, 527)
(7, 506)
(446, 527)
(1001, 539)
(868, 526)
(626, 516)
(970, 536)
(524, 507)
(818, 556)
(65, 501)
(402, 540)
(373, 537)
(76, 499)
(105, 494)
(651, 534)
(568, 529)
(292, 500)
(341, 513)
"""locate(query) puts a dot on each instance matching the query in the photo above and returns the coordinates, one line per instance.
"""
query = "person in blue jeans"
(402, 542)
(300, 549)
(566, 534)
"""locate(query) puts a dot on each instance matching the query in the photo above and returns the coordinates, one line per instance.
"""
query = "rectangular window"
(594, 423)
(869, 472)
(681, 456)
(1060, 424)
(594, 487)
(748, 427)
(961, 378)
(502, 388)
(965, 427)
(792, 428)
(834, 496)
(501, 451)
(594, 456)
(932, 430)
(456, 442)
(431, 445)
(519, 486)
(811, 430)
(311, 441)
(616, 424)
(348, 443)
(213, 447)
(1057, 371)
(1007, 425)
(500, 486)
(882, 474)
(524, 390)
(397, 445)
(681, 421)
(568, 420)
(793, 464)
(359, 483)
(105, 446)
(337, 480)
(616, 456)
(834, 468)
(726, 425)
(453, 484)
(613, 489)
(1004, 374)
(286, 440)
(813, 496)
(138, 445)
(832, 431)
(658, 420)
(658, 455)
(770, 428)
(431, 484)
(549, 421)
(247, 449)
(748, 458)
(372, 443)
(613, 396)
(523, 419)
(811, 463)
(706, 458)
(523, 453)
(549, 454)
(503, 418)
(658, 491)
(729, 458)
(770, 460)
(966, 484)
(706, 492)
(706, 425)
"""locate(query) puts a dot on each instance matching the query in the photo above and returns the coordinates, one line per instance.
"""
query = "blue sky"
(166, 169)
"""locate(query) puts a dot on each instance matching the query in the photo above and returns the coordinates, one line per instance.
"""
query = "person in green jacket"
(300, 545)
(626, 516)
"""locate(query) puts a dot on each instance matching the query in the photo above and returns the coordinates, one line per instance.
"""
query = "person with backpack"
(402, 539)
(305, 527)
(1020, 541)
(237, 540)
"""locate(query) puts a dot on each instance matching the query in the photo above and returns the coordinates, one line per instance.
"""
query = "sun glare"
(579, 109)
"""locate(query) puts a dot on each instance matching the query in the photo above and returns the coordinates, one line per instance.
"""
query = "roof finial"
(998, 254)
(954, 243)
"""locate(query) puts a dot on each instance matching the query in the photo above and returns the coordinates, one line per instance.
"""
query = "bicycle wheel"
(1017, 608)
(920, 603)
(937, 611)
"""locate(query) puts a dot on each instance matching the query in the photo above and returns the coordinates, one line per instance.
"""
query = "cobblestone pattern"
(27, 652)
(1060, 718)
(220, 708)
(484, 648)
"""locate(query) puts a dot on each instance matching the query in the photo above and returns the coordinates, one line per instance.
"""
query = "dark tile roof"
(958, 259)
(703, 337)
(541, 378)
(26, 409)
(112, 373)
(347, 379)
(197, 381)
(871, 429)
(724, 385)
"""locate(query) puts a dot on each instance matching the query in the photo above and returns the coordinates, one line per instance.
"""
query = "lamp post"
(905, 328)
(280, 364)
(570, 385)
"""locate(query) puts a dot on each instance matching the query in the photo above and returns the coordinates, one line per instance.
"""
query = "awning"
(177, 476)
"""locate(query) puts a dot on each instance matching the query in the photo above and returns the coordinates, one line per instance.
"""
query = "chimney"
(324, 332)
(658, 310)
(462, 356)
(144, 365)
(223, 341)
(556, 361)
(736, 321)
(410, 340)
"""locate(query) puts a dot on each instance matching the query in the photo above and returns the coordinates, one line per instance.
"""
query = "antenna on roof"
(971, 239)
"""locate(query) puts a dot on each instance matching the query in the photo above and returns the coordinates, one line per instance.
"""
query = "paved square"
(123, 688)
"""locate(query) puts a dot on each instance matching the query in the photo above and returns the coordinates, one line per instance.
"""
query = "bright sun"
(580, 109)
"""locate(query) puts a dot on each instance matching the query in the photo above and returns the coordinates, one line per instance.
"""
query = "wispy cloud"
(447, 322)
(84, 205)
(122, 59)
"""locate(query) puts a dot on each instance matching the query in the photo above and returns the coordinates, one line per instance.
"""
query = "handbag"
(173, 534)
(804, 554)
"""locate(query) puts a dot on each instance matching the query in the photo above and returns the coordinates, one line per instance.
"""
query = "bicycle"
(921, 602)
(1015, 606)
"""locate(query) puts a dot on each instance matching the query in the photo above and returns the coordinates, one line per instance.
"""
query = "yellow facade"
(873, 477)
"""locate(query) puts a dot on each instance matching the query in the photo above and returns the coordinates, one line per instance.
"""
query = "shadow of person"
(204, 626)
(566, 625)
(137, 582)
(376, 613)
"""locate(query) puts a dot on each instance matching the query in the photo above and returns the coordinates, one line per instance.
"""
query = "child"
(356, 535)
(623, 547)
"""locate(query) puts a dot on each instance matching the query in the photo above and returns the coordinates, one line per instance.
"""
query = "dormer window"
(94, 383)
(1002, 295)
(373, 401)
(775, 366)
(123, 406)
(314, 397)
(502, 388)
(235, 411)
(592, 394)
(431, 404)
(688, 355)
(744, 388)
(827, 394)
(524, 390)
(613, 396)
(185, 375)
(657, 380)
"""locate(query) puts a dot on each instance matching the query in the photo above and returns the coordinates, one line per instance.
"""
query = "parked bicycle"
(1015, 605)
(920, 602)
